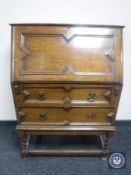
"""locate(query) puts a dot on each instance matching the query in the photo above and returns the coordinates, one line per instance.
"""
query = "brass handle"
(41, 96)
(43, 116)
(90, 115)
(92, 96)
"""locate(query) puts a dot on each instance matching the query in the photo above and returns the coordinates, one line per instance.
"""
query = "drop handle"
(90, 115)
(92, 96)
(42, 116)
(41, 96)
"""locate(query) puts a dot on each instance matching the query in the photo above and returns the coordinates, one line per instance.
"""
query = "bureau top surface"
(74, 25)
(70, 53)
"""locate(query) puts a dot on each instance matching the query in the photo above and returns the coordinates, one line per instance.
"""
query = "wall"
(115, 12)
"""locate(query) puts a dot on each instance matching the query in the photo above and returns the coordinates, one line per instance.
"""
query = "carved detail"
(110, 116)
(22, 115)
(24, 145)
(67, 88)
(67, 103)
(67, 100)
(67, 108)
(109, 54)
(68, 68)
(66, 123)
(106, 144)
(107, 95)
(117, 91)
(17, 89)
(25, 50)
(26, 94)
(90, 115)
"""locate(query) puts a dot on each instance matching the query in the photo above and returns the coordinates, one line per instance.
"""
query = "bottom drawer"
(73, 116)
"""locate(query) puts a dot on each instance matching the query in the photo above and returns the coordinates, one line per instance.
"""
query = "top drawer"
(66, 53)
(66, 95)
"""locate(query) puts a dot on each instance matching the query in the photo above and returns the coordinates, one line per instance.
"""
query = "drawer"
(78, 95)
(72, 116)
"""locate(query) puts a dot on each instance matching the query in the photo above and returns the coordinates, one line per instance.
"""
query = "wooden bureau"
(66, 80)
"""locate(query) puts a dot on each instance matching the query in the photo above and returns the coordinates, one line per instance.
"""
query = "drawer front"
(72, 116)
(30, 96)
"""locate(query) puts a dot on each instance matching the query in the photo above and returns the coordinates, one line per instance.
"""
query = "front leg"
(24, 139)
(106, 145)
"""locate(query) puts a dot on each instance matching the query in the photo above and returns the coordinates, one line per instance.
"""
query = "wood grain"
(60, 53)
(66, 80)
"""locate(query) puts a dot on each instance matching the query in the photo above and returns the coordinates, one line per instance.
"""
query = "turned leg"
(106, 145)
(24, 144)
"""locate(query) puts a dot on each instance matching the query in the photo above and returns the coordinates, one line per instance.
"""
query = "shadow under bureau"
(66, 80)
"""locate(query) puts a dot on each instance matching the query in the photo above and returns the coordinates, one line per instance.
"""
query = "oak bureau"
(66, 80)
